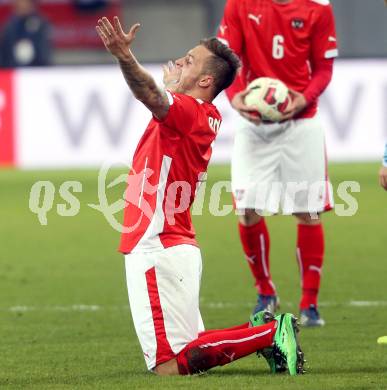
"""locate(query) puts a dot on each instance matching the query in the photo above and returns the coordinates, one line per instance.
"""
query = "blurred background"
(167, 31)
(63, 102)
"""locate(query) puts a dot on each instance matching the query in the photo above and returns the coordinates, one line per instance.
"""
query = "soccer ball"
(270, 97)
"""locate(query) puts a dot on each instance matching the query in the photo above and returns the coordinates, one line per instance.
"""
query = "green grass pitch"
(50, 341)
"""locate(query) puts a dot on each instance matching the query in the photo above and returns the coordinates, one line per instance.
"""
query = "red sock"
(310, 254)
(223, 347)
(211, 331)
(256, 245)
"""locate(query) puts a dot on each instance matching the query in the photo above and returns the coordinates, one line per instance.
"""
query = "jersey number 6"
(278, 47)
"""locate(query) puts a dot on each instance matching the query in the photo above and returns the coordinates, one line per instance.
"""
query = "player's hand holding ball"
(297, 104)
(249, 112)
(115, 40)
(273, 100)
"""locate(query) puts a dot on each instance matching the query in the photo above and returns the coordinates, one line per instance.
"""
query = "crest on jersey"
(298, 23)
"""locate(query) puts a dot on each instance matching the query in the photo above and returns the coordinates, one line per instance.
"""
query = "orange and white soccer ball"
(270, 97)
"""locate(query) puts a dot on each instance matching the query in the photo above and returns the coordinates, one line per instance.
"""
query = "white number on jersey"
(278, 47)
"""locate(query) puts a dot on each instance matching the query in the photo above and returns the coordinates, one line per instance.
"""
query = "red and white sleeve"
(230, 32)
(324, 50)
(324, 39)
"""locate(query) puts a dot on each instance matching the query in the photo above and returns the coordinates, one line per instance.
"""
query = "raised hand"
(139, 80)
(115, 40)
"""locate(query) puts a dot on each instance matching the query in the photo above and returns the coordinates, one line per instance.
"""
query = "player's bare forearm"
(143, 86)
(138, 79)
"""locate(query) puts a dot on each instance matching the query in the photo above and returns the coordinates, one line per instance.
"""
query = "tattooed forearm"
(137, 78)
(144, 87)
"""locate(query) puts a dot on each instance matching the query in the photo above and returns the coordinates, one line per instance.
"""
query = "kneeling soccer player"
(162, 259)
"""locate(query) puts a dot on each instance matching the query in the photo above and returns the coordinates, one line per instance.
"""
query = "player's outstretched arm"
(139, 80)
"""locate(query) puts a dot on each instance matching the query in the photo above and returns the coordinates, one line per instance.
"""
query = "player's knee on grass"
(249, 217)
(168, 368)
(308, 219)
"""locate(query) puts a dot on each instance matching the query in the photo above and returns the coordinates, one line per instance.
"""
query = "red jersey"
(168, 165)
(282, 41)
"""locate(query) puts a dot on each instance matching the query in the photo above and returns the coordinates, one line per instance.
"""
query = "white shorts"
(281, 166)
(163, 288)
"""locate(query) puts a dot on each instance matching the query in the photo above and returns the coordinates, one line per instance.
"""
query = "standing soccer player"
(162, 258)
(293, 41)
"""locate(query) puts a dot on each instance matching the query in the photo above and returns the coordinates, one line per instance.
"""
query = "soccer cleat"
(311, 317)
(261, 318)
(275, 360)
(266, 303)
(286, 346)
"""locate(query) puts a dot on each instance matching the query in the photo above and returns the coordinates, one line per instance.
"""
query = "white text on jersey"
(214, 124)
